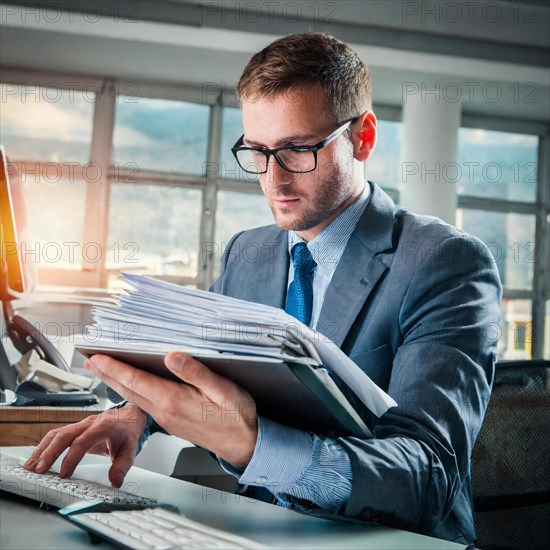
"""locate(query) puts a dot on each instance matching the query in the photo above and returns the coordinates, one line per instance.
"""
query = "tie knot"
(302, 258)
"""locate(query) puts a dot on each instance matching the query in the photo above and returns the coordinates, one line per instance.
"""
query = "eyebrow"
(297, 138)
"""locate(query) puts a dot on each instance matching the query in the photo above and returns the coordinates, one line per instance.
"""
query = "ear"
(363, 132)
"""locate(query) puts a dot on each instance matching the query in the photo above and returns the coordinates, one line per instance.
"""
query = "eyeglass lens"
(293, 159)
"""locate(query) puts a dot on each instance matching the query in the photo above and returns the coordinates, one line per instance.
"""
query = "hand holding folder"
(282, 363)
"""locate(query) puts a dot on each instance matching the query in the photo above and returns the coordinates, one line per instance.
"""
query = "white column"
(428, 169)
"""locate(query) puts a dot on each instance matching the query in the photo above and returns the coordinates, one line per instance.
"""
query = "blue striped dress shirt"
(293, 463)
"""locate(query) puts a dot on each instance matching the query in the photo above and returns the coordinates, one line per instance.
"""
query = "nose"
(276, 175)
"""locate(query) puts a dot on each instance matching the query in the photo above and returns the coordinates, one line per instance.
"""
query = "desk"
(23, 525)
(28, 425)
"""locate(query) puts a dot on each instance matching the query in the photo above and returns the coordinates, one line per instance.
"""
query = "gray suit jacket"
(415, 303)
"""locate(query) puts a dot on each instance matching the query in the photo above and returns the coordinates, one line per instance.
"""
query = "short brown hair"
(306, 60)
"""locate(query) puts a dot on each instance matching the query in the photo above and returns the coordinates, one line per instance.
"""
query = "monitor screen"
(12, 278)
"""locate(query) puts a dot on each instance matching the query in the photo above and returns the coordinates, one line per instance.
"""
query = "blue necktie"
(299, 301)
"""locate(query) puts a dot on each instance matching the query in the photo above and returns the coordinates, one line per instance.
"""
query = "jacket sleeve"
(413, 473)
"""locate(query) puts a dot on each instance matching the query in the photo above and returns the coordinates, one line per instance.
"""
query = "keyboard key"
(49, 488)
(143, 529)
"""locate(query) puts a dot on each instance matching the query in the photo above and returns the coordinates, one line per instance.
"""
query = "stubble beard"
(330, 194)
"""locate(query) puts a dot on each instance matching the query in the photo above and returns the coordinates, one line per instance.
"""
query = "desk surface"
(24, 525)
(49, 414)
(28, 425)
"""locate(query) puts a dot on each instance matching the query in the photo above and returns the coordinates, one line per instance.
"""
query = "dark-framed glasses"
(299, 159)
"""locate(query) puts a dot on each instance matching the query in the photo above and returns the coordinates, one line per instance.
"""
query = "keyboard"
(49, 488)
(158, 529)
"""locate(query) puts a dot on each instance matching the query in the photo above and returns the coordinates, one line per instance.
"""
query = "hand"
(208, 410)
(114, 433)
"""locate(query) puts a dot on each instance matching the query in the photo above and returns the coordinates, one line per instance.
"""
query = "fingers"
(195, 373)
(140, 387)
(80, 446)
(122, 463)
(53, 445)
(113, 432)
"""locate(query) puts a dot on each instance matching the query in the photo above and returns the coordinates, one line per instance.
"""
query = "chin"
(284, 225)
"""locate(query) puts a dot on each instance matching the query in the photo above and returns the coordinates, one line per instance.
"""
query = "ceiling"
(494, 55)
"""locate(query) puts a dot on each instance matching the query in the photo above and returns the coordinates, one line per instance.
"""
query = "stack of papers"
(153, 317)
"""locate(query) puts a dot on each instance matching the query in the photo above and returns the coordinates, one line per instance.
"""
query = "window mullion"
(97, 193)
(208, 217)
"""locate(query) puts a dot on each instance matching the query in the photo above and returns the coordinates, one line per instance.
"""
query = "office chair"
(511, 460)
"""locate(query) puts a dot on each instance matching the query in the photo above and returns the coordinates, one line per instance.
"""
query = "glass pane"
(516, 329)
(153, 230)
(496, 164)
(511, 240)
(546, 350)
(232, 130)
(55, 223)
(160, 135)
(384, 165)
(46, 123)
(236, 212)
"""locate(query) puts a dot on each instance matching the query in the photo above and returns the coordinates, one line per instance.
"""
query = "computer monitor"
(11, 265)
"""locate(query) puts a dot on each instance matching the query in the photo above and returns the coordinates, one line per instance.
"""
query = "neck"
(310, 234)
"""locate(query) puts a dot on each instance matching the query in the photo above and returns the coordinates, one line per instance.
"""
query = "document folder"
(284, 365)
(293, 394)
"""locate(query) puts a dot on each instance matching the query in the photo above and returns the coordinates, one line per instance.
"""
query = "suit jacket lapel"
(359, 268)
(264, 277)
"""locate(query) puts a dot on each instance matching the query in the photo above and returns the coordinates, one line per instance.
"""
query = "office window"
(232, 130)
(55, 223)
(497, 165)
(384, 165)
(160, 135)
(521, 336)
(47, 132)
(236, 212)
(546, 345)
(511, 240)
(497, 194)
(46, 124)
(516, 329)
(153, 230)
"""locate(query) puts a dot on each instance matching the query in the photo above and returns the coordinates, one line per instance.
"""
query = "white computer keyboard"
(49, 488)
(157, 528)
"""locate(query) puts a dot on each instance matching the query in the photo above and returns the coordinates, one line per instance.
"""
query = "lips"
(286, 201)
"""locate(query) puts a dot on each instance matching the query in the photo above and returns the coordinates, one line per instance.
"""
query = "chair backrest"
(511, 460)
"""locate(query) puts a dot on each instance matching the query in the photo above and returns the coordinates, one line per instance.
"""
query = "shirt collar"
(327, 247)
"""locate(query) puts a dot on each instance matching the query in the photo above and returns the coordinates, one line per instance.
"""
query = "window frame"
(540, 209)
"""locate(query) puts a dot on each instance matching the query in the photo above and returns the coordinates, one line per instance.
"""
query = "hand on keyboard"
(49, 488)
(114, 433)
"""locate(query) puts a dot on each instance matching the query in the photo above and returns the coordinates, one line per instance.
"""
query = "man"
(410, 299)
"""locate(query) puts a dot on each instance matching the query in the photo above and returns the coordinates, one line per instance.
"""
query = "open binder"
(283, 364)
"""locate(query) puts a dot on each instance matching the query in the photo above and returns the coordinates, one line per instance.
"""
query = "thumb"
(197, 374)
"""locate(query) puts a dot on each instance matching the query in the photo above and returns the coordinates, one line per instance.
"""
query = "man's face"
(302, 202)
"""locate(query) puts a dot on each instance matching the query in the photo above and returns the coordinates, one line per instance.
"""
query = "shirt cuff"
(281, 456)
